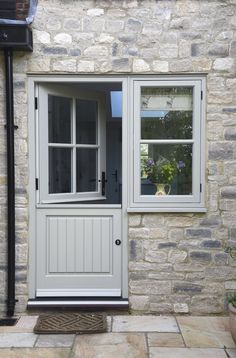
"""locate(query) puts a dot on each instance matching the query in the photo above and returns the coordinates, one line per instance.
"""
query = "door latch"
(103, 181)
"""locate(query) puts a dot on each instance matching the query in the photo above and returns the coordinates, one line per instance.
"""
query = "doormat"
(68, 323)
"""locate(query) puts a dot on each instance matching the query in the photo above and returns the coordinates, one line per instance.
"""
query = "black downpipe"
(10, 181)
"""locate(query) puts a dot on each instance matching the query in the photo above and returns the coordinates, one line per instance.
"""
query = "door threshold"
(87, 303)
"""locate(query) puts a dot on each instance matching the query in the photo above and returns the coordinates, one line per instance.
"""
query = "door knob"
(117, 242)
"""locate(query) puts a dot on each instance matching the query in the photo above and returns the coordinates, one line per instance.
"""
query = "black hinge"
(36, 102)
(36, 183)
(201, 95)
(200, 188)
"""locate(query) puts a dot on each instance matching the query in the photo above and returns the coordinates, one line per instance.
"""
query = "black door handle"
(103, 181)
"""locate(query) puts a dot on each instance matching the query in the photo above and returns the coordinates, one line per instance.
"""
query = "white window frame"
(43, 144)
(168, 203)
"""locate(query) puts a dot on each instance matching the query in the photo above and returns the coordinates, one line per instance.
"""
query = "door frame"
(33, 80)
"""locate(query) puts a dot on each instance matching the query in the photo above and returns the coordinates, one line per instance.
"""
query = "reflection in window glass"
(59, 119)
(166, 164)
(86, 170)
(59, 170)
(86, 121)
(166, 113)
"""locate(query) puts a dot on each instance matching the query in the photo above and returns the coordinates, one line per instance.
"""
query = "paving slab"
(165, 340)
(206, 332)
(35, 353)
(186, 353)
(55, 340)
(17, 340)
(231, 353)
(25, 324)
(144, 324)
(107, 345)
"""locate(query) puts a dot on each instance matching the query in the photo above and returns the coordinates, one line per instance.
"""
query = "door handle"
(103, 181)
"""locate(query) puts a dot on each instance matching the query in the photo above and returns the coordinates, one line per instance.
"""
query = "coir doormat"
(68, 323)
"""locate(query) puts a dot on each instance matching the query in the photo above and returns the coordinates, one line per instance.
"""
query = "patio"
(127, 336)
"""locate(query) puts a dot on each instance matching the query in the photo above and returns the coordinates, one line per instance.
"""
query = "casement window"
(167, 171)
(72, 144)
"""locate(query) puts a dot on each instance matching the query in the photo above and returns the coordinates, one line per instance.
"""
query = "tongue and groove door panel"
(77, 254)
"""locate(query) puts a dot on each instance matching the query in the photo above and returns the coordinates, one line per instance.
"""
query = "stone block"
(221, 151)
(121, 65)
(218, 50)
(187, 287)
(206, 304)
(139, 303)
(223, 64)
(63, 39)
(155, 256)
(167, 245)
(211, 221)
(175, 256)
(114, 26)
(211, 244)
(72, 24)
(135, 220)
(150, 287)
(140, 65)
(160, 66)
(133, 25)
(85, 66)
(198, 49)
(95, 12)
(200, 256)
(198, 232)
(233, 49)
(230, 134)
(64, 65)
(228, 192)
(169, 51)
(57, 50)
(181, 308)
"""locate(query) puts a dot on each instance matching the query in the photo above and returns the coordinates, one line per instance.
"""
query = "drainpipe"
(14, 35)
(10, 181)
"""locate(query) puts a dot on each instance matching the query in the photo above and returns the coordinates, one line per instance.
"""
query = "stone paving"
(127, 336)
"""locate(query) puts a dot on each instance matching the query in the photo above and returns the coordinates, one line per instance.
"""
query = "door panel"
(77, 254)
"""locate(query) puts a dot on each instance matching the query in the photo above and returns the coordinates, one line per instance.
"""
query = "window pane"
(166, 164)
(86, 122)
(59, 170)
(86, 170)
(166, 113)
(59, 119)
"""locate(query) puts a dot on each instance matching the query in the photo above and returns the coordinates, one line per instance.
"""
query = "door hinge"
(36, 183)
(36, 102)
(201, 95)
(200, 188)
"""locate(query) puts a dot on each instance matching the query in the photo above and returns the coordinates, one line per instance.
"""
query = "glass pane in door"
(86, 170)
(59, 170)
(59, 119)
(86, 121)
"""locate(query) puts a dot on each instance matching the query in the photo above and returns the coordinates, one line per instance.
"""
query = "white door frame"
(33, 169)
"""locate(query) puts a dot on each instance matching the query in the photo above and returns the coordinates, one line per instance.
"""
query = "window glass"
(166, 123)
(86, 121)
(166, 113)
(59, 170)
(86, 169)
(166, 164)
(59, 119)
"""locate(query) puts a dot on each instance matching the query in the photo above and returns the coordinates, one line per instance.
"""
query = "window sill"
(167, 210)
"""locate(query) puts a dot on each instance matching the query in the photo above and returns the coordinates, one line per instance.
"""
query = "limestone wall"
(178, 262)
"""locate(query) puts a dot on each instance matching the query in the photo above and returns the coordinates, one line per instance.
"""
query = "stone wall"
(177, 262)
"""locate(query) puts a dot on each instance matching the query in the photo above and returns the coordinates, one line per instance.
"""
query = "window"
(72, 144)
(168, 163)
